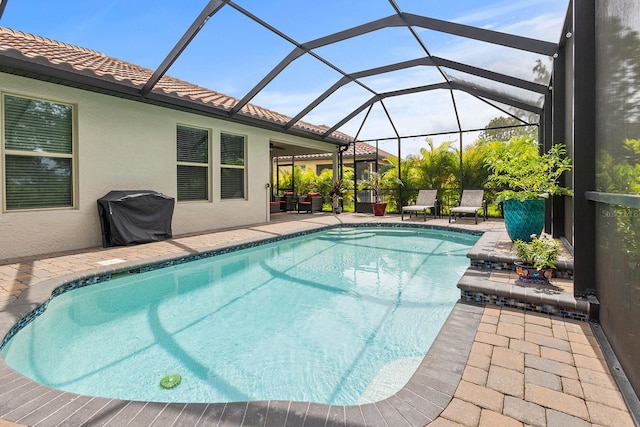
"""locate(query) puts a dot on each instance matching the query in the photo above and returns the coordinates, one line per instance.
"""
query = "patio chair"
(274, 205)
(427, 199)
(288, 201)
(311, 203)
(472, 201)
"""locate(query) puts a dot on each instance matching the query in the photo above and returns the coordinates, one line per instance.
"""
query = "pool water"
(312, 318)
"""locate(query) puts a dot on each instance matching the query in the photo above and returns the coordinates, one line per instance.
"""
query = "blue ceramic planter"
(522, 219)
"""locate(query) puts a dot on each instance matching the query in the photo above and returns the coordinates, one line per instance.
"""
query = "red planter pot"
(379, 208)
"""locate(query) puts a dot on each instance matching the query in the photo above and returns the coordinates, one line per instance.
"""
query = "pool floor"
(309, 318)
(419, 402)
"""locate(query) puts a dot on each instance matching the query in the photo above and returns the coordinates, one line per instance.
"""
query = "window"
(193, 163)
(232, 169)
(322, 167)
(38, 154)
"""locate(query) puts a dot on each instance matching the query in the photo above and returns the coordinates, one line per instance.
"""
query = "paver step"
(493, 252)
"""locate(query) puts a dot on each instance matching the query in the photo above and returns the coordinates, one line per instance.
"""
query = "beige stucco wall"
(126, 145)
(312, 164)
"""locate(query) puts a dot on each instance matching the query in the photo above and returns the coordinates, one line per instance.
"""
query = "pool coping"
(420, 401)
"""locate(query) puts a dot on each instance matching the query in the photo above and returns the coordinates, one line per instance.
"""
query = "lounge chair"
(427, 199)
(472, 201)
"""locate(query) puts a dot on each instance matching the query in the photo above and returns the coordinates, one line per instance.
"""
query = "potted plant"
(530, 179)
(373, 181)
(536, 259)
(337, 193)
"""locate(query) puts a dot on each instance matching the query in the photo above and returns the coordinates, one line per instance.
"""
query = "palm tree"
(435, 167)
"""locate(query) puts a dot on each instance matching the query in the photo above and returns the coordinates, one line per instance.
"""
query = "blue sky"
(232, 53)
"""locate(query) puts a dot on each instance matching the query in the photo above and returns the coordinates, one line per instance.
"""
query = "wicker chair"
(288, 201)
(311, 203)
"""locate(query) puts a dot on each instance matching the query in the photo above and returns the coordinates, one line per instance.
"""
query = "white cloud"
(497, 9)
(525, 18)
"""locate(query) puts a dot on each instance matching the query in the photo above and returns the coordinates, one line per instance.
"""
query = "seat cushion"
(416, 208)
(464, 209)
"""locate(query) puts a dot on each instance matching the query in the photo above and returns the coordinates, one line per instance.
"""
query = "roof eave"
(13, 62)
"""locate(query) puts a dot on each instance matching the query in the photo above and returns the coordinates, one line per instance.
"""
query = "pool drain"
(170, 381)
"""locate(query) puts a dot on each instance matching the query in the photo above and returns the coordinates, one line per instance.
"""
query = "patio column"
(558, 123)
(584, 132)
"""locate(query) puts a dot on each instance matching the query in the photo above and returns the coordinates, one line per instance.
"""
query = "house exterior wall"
(309, 164)
(313, 164)
(127, 145)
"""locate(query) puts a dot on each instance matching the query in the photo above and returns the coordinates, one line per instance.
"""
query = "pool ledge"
(489, 256)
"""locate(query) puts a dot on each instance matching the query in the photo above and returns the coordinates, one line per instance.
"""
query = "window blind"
(231, 150)
(193, 145)
(38, 182)
(232, 171)
(38, 138)
(231, 183)
(41, 126)
(193, 163)
(192, 183)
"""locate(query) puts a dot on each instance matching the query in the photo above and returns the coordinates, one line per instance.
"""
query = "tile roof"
(95, 64)
(363, 150)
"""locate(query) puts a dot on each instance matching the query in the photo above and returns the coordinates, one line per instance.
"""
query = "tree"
(474, 174)
(303, 180)
(524, 173)
(497, 129)
(324, 183)
(435, 167)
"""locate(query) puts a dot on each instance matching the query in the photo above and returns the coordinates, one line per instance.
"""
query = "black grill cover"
(133, 217)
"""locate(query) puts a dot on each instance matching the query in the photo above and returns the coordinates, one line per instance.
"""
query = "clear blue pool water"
(312, 318)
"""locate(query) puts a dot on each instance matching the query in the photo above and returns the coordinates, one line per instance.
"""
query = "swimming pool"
(312, 318)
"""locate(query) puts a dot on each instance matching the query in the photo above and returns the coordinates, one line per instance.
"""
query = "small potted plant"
(536, 259)
(530, 178)
(337, 193)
